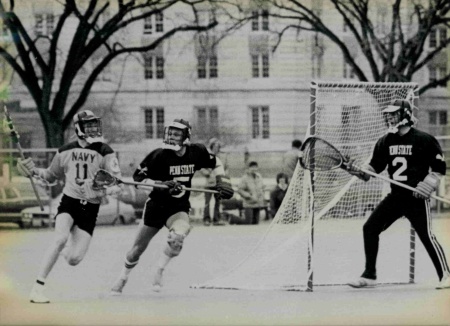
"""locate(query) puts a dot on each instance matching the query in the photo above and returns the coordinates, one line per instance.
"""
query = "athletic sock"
(163, 261)
(128, 268)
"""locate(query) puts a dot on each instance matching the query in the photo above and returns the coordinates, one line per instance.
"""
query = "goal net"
(316, 236)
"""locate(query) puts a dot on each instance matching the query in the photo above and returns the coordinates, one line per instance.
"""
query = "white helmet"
(182, 125)
(405, 117)
(91, 133)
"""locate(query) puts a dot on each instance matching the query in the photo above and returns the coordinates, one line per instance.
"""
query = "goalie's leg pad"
(179, 230)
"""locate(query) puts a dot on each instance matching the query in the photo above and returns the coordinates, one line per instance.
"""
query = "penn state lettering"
(85, 157)
(400, 150)
(182, 169)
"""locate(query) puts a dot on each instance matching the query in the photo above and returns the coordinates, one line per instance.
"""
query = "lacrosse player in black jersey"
(414, 158)
(173, 165)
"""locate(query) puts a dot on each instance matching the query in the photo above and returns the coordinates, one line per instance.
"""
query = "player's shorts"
(156, 216)
(83, 213)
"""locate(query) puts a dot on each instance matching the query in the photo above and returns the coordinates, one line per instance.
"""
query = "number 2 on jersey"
(397, 175)
(82, 171)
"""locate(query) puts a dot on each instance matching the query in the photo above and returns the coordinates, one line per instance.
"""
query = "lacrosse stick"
(15, 138)
(320, 155)
(105, 179)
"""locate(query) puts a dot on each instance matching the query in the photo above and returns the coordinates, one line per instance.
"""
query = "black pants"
(417, 211)
(251, 215)
(216, 212)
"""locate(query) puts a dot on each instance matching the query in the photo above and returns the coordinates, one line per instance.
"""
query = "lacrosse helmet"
(176, 145)
(398, 114)
(88, 127)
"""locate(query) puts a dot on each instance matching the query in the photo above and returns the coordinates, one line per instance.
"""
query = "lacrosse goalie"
(76, 163)
(172, 165)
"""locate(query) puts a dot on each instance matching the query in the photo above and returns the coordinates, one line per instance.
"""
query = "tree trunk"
(54, 134)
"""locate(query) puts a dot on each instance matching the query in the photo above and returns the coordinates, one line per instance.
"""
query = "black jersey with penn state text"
(164, 164)
(409, 158)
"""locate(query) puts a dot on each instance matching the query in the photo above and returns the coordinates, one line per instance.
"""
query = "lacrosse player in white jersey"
(76, 163)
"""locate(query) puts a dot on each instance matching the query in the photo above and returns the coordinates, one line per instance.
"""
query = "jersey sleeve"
(143, 170)
(206, 159)
(437, 163)
(379, 158)
(111, 164)
(55, 171)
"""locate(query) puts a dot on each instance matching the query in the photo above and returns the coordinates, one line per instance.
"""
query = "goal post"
(316, 236)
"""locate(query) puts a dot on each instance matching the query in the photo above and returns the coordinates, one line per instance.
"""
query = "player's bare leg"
(63, 225)
(179, 227)
(143, 237)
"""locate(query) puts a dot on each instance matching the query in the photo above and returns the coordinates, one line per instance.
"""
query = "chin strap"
(173, 147)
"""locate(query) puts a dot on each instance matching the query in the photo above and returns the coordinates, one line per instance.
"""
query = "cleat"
(219, 223)
(363, 282)
(444, 283)
(207, 221)
(157, 280)
(118, 286)
(37, 296)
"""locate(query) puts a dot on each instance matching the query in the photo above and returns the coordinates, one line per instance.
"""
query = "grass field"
(79, 294)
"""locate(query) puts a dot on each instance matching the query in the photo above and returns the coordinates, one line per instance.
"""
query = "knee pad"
(180, 229)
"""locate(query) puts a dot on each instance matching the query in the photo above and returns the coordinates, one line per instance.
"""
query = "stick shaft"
(15, 138)
(155, 185)
(382, 177)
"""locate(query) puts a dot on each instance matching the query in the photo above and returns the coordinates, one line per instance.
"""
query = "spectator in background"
(251, 189)
(214, 146)
(278, 193)
(290, 158)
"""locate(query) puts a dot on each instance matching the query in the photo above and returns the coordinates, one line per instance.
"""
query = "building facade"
(235, 88)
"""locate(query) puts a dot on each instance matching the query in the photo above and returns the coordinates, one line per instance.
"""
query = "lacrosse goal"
(316, 237)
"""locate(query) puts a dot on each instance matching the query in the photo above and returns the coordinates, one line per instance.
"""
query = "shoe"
(444, 283)
(207, 221)
(363, 282)
(118, 286)
(219, 223)
(157, 280)
(37, 296)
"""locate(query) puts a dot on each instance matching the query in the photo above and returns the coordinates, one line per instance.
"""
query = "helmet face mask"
(398, 114)
(88, 127)
(177, 135)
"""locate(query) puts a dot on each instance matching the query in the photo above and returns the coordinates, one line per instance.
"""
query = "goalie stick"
(320, 155)
(103, 179)
(15, 138)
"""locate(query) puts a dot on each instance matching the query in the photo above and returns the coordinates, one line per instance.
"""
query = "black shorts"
(156, 216)
(84, 214)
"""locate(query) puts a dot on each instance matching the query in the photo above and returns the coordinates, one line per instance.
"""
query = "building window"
(154, 122)
(260, 65)
(153, 64)
(260, 122)
(436, 73)
(207, 121)
(44, 24)
(154, 23)
(438, 117)
(437, 37)
(207, 66)
(260, 20)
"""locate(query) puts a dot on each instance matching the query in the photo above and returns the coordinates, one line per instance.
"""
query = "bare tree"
(50, 76)
(393, 52)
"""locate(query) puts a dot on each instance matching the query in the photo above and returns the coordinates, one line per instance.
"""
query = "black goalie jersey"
(164, 164)
(408, 158)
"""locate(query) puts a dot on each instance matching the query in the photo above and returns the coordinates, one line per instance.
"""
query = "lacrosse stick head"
(103, 179)
(320, 155)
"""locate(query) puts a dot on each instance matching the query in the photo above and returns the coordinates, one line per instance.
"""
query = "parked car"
(112, 211)
(15, 196)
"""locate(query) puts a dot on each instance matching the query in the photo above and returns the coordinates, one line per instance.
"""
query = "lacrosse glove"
(223, 186)
(426, 187)
(174, 187)
(26, 167)
(355, 170)
(89, 190)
